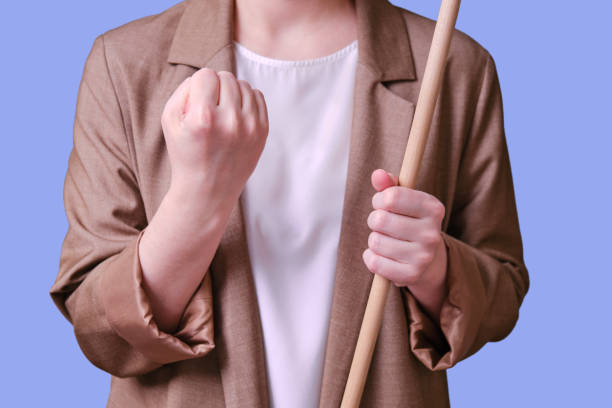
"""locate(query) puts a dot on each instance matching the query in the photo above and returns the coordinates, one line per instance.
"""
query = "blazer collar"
(207, 26)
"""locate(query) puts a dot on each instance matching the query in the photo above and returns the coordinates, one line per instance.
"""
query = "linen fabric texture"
(118, 173)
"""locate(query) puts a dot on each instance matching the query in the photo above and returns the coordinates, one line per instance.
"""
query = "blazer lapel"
(380, 127)
(204, 39)
(240, 338)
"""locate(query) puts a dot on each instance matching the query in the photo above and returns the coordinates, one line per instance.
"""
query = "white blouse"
(293, 208)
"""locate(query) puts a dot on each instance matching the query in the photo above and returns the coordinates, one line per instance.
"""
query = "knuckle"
(265, 125)
(205, 118)
(430, 238)
(206, 74)
(378, 219)
(437, 209)
(231, 121)
(205, 71)
(391, 197)
(259, 96)
(424, 259)
(227, 75)
(382, 219)
(250, 125)
(375, 264)
(370, 220)
(244, 83)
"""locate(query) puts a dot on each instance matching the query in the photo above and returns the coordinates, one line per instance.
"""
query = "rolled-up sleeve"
(99, 285)
(486, 275)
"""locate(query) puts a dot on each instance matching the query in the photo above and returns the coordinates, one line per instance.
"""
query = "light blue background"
(554, 65)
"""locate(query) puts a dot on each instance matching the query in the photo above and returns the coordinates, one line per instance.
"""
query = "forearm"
(177, 248)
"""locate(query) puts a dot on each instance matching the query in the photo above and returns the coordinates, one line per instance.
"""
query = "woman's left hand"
(406, 245)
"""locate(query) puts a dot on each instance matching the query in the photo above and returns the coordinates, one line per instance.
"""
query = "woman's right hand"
(215, 128)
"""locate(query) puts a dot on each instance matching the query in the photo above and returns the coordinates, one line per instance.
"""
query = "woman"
(221, 228)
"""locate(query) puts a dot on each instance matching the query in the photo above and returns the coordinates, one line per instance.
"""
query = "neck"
(294, 29)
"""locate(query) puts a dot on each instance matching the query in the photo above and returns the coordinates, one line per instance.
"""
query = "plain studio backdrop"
(554, 65)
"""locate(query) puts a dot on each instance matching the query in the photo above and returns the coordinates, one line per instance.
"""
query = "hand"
(215, 128)
(406, 245)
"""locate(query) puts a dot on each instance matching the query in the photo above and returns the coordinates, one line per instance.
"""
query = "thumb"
(382, 179)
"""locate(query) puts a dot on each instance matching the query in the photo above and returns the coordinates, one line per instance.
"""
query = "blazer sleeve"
(99, 285)
(487, 277)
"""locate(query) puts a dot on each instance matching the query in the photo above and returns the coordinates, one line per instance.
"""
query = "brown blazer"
(118, 172)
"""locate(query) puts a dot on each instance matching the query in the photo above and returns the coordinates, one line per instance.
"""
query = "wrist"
(202, 191)
(433, 289)
(200, 207)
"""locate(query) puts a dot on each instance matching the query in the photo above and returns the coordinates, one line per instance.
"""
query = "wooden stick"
(421, 124)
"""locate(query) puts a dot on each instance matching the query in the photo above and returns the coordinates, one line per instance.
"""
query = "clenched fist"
(215, 128)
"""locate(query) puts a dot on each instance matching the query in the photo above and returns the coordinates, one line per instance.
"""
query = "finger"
(410, 202)
(177, 103)
(397, 226)
(262, 109)
(398, 273)
(204, 88)
(382, 180)
(229, 94)
(249, 104)
(392, 248)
